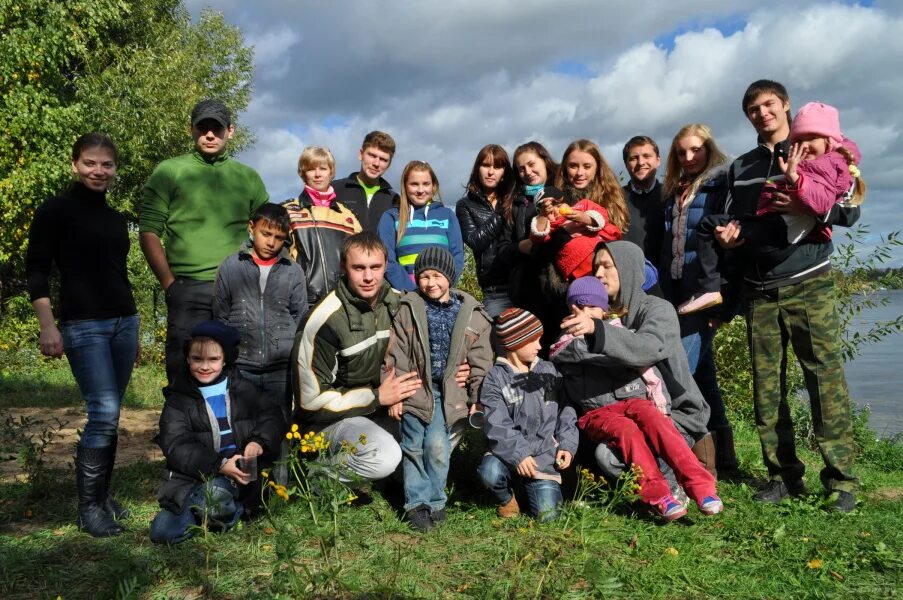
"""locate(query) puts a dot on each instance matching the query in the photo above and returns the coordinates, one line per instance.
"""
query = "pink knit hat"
(817, 118)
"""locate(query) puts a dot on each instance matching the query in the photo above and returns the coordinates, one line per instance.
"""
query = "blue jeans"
(543, 495)
(101, 354)
(425, 451)
(171, 528)
(496, 300)
(701, 356)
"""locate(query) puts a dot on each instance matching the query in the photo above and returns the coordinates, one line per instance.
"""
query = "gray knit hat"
(438, 258)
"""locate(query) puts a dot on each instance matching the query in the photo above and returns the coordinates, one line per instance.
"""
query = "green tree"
(130, 69)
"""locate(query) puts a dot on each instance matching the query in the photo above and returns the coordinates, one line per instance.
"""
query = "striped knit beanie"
(516, 328)
(438, 258)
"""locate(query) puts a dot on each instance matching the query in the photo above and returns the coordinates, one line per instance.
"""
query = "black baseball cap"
(211, 109)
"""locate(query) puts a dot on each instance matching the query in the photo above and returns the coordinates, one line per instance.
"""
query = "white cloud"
(445, 78)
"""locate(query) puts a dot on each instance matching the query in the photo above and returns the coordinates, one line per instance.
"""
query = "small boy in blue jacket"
(529, 433)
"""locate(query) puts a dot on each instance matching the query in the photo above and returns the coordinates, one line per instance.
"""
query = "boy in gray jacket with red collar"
(529, 431)
(262, 292)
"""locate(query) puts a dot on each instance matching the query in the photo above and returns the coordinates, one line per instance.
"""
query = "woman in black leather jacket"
(531, 270)
(479, 212)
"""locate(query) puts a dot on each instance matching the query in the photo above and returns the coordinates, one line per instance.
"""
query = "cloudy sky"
(445, 78)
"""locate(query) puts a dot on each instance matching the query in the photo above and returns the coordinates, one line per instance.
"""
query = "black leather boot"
(725, 454)
(91, 479)
(118, 511)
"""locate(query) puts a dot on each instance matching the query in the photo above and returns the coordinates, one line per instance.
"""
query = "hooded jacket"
(267, 321)
(339, 352)
(409, 351)
(650, 336)
(190, 442)
(526, 415)
(592, 380)
(809, 258)
(317, 235)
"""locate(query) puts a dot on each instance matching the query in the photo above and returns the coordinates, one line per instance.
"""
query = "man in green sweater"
(197, 207)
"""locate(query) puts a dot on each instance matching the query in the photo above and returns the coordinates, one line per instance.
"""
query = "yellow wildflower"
(294, 427)
(288, 435)
(265, 474)
(296, 435)
(815, 563)
(280, 490)
(672, 551)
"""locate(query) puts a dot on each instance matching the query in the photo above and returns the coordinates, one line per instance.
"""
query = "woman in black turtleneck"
(89, 242)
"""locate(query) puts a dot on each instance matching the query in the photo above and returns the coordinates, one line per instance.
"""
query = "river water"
(875, 377)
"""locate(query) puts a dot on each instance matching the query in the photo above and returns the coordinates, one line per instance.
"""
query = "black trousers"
(188, 302)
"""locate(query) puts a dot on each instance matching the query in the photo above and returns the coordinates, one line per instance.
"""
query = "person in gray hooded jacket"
(650, 336)
(620, 411)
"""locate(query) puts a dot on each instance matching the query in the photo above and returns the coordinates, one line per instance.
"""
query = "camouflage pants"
(804, 315)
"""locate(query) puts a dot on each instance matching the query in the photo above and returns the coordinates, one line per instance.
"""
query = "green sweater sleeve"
(200, 209)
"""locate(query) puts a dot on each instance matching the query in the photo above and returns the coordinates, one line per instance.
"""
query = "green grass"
(796, 549)
(28, 380)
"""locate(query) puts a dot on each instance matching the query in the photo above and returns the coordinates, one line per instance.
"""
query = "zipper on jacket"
(770, 151)
(320, 247)
(260, 318)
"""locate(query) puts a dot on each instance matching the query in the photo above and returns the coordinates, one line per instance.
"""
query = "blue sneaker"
(669, 508)
(711, 505)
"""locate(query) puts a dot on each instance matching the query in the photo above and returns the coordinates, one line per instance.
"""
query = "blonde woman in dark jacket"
(319, 224)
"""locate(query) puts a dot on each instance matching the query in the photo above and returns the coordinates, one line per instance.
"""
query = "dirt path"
(137, 428)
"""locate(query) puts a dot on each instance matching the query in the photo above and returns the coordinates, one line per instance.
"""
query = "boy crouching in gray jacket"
(436, 330)
(528, 431)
